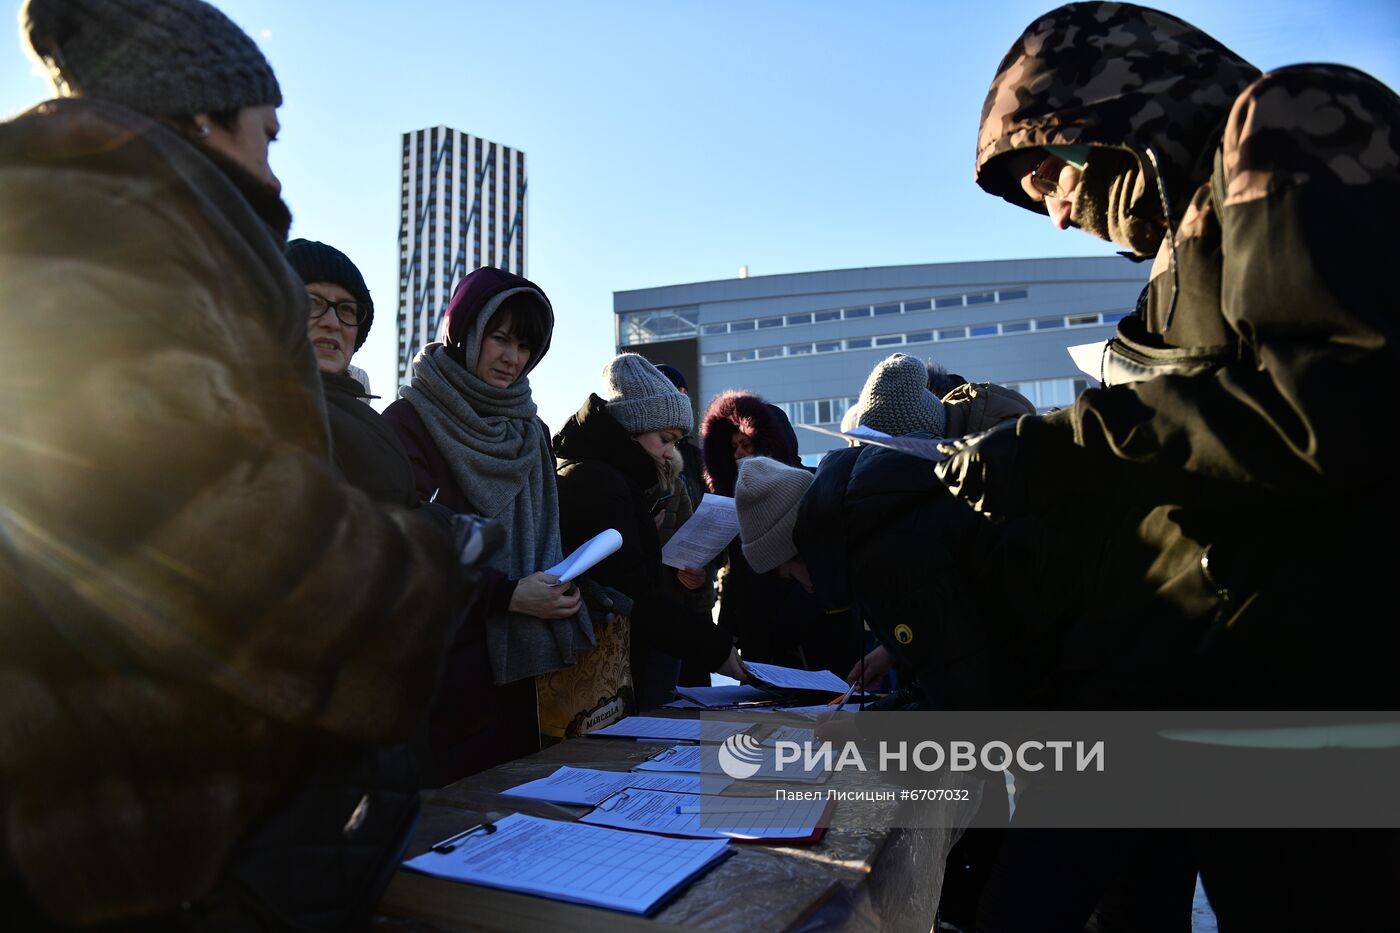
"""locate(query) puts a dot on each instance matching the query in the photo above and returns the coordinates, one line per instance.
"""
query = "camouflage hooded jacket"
(1250, 353)
(1238, 411)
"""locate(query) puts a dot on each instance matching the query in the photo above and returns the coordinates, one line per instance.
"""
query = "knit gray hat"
(896, 399)
(641, 399)
(161, 57)
(766, 497)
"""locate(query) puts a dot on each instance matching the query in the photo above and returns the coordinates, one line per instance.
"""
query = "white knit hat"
(641, 399)
(766, 497)
(896, 399)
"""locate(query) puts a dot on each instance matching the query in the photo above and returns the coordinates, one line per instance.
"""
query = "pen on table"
(841, 700)
(691, 808)
(451, 842)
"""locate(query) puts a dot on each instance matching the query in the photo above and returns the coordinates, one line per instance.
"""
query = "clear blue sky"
(673, 142)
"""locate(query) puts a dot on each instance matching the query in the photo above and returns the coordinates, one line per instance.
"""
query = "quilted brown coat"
(193, 610)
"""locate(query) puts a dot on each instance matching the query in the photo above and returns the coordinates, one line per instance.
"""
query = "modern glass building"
(807, 341)
(462, 205)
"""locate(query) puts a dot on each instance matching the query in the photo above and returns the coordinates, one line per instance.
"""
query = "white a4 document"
(704, 534)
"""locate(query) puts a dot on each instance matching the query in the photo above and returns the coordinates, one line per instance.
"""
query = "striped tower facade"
(462, 205)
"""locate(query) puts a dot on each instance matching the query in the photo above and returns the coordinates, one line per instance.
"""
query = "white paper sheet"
(706, 816)
(632, 872)
(799, 734)
(807, 712)
(790, 678)
(693, 759)
(703, 535)
(595, 549)
(587, 787)
(1089, 358)
(925, 448)
(672, 730)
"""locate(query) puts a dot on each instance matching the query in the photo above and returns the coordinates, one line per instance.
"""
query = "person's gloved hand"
(982, 470)
(604, 603)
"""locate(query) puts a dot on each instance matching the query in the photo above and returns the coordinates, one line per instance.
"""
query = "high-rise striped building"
(462, 205)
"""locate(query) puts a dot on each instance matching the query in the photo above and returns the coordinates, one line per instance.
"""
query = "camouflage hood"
(1117, 75)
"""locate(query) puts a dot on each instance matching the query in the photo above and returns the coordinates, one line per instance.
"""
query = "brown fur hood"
(731, 411)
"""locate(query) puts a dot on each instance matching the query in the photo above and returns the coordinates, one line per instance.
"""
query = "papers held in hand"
(704, 534)
(589, 554)
(631, 872)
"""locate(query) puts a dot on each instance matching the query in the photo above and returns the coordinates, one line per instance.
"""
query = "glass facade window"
(828, 346)
(886, 309)
(710, 359)
(766, 322)
(922, 336)
(1015, 294)
(952, 301)
(1083, 320)
(889, 340)
(715, 328)
(952, 333)
(821, 317)
(799, 349)
(1049, 323)
(768, 353)
(1017, 327)
(638, 327)
(736, 326)
(857, 343)
(741, 356)
(852, 313)
(793, 319)
(982, 299)
(917, 305)
(808, 414)
(986, 330)
(1113, 317)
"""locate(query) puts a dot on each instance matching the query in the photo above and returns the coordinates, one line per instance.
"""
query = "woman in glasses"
(364, 446)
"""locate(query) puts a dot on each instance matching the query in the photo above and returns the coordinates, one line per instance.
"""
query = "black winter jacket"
(604, 476)
(863, 530)
(364, 446)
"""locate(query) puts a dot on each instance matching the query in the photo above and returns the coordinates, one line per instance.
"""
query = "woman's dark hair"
(525, 318)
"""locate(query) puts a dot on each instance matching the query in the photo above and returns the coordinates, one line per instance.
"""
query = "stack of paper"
(727, 695)
(777, 677)
(694, 759)
(706, 816)
(587, 787)
(671, 730)
(632, 872)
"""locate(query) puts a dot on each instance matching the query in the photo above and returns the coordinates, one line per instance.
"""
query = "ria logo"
(740, 756)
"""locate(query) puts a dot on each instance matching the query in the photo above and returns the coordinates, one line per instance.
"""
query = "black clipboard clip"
(444, 846)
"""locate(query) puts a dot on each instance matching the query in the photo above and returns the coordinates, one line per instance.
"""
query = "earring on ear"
(203, 130)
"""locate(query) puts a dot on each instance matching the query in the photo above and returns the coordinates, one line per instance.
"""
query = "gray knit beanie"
(766, 497)
(161, 57)
(641, 399)
(896, 399)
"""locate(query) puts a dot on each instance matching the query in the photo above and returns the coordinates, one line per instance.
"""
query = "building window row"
(1050, 393)
(818, 411)
(864, 311)
(911, 338)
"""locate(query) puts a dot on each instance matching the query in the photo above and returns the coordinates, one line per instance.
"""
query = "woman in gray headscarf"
(469, 425)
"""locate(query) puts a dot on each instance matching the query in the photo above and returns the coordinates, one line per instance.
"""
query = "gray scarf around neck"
(499, 455)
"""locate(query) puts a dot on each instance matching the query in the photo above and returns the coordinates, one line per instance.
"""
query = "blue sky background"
(673, 142)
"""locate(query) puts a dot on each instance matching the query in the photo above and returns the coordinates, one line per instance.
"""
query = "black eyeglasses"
(1048, 182)
(351, 313)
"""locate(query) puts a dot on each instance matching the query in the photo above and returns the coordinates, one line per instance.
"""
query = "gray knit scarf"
(500, 458)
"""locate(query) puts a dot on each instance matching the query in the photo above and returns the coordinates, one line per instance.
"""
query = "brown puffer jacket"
(972, 408)
(195, 610)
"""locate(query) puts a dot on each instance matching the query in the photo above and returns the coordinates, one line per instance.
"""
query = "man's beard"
(266, 203)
